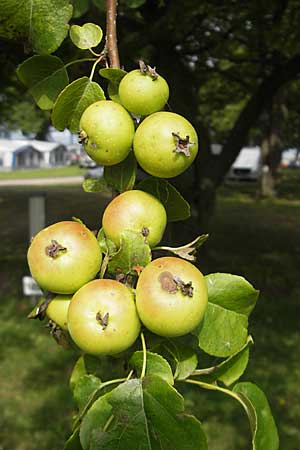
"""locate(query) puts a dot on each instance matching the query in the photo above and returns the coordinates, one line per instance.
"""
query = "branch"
(111, 33)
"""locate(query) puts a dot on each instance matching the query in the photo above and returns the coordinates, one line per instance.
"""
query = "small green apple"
(138, 211)
(165, 144)
(142, 93)
(102, 317)
(106, 131)
(57, 310)
(64, 256)
(171, 296)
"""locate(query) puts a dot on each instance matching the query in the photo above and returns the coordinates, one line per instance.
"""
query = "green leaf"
(72, 102)
(135, 3)
(263, 427)
(41, 25)
(85, 389)
(149, 413)
(231, 292)
(230, 370)
(114, 76)
(222, 332)
(233, 368)
(86, 36)
(78, 371)
(185, 359)
(94, 185)
(134, 251)
(100, 4)
(186, 251)
(177, 208)
(122, 176)
(45, 76)
(73, 443)
(156, 365)
(107, 246)
(95, 419)
(80, 7)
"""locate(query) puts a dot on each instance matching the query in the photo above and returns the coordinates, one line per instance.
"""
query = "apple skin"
(170, 314)
(123, 325)
(107, 130)
(154, 144)
(141, 94)
(71, 268)
(135, 210)
(57, 310)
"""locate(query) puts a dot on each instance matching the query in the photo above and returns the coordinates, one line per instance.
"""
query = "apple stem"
(143, 373)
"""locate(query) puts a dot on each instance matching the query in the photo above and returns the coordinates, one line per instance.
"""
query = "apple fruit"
(102, 317)
(138, 211)
(165, 144)
(64, 256)
(57, 310)
(171, 296)
(142, 93)
(106, 132)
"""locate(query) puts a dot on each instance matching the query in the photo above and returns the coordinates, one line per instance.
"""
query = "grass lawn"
(257, 239)
(66, 171)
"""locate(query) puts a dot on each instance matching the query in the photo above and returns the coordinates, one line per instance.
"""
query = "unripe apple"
(64, 256)
(102, 317)
(107, 131)
(143, 94)
(165, 144)
(57, 310)
(138, 211)
(171, 296)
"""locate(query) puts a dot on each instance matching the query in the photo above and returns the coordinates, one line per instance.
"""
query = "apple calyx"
(147, 70)
(58, 334)
(102, 320)
(172, 284)
(54, 249)
(145, 231)
(82, 137)
(182, 145)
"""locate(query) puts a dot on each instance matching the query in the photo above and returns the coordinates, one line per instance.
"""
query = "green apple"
(171, 296)
(57, 310)
(165, 144)
(143, 94)
(64, 256)
(106, 131)
(102, 317)
(138, 211)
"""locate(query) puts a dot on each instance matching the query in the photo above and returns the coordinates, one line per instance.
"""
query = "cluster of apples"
(165, 144)
(102, 315)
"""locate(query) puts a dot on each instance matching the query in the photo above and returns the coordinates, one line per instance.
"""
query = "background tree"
(226, 63)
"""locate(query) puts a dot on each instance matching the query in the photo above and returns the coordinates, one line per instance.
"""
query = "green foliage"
(263, 427)
(42, 25)
(72, 101)
(45, 76)
(176, 207)
(149, 412)
(156, 365)
(145, 407)
(87, 36)
(122, 176)
(134, 254)
(114, 76)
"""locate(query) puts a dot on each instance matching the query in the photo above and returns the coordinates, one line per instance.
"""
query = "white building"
(26, 154)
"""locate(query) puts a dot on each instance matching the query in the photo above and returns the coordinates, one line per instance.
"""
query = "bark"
(210, 169)
(111, 33)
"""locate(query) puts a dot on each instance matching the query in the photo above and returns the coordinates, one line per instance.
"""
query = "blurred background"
(234, 71)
